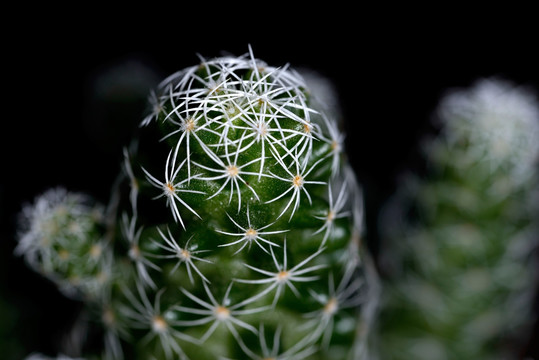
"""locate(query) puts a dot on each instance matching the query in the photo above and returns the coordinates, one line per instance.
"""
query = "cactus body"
(237, 226)
(461, 270)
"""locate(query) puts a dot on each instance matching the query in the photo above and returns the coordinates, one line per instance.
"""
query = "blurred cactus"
(458, 256)
(234, 232)
(59, 230)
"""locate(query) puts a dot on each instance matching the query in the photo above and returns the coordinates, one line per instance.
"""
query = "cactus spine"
(235, 233)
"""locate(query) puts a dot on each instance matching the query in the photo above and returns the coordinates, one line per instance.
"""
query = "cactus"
(234, 231)
(459, 241)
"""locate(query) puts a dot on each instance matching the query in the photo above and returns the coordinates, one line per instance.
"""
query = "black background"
(390, 67)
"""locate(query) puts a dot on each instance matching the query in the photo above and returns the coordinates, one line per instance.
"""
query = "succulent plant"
(234, 231)
(460, 274)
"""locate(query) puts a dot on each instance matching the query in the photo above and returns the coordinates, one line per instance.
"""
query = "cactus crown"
(239, 127)
(238, 235)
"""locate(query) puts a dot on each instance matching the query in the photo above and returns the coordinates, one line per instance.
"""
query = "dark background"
(65, 118)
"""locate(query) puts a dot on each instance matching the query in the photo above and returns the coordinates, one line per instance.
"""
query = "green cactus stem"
(460, 271)
(237, 231)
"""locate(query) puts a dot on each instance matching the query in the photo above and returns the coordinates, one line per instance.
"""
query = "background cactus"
(234, 231)
(460, 269)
